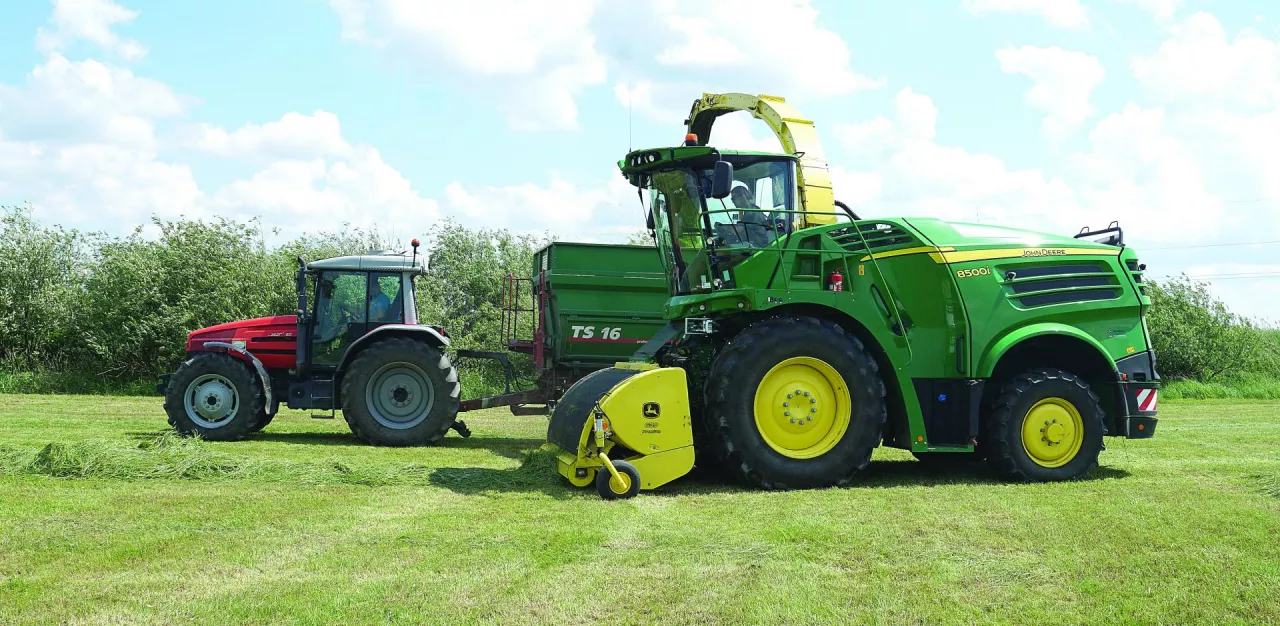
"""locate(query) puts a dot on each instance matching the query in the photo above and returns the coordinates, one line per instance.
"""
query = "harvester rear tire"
(1008, 453)
(604, 480)
(424, 370)
(228, 374)
(730, 395)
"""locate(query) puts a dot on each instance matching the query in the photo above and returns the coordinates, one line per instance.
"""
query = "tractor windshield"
(702, 238)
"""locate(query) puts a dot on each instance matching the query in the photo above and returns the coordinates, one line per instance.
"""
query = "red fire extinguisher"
(836, 281)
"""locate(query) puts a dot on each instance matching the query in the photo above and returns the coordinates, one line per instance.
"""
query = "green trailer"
(582, 308)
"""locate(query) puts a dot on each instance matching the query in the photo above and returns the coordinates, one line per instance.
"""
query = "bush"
(1196, 336)
(90, 313)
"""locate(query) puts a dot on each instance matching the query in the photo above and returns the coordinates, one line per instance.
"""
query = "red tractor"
(356, 345)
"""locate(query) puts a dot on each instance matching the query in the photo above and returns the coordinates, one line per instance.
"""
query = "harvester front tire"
(226, 397)
(605, 486)
(731, 397)
(1021, 452)
(385, 393)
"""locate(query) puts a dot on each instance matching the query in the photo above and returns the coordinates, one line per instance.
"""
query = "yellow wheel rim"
(620, 484)
(802, 407)
(1052, 432)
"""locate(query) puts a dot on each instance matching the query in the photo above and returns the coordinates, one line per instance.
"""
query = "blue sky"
(1048, 114)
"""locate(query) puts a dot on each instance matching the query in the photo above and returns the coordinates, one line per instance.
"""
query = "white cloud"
(1061, 13)
(1139, 171)
(573, 212)
(536, 60)
(1162, 10)
(293, 136)
(1064, 80)
(1199, 62)
(86, 101)
(321, 194)
(908, 173)
(92, 21)
(532, 60)
(725, 35)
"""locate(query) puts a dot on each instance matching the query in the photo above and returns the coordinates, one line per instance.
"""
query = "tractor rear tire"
(836, 380)
(262, 422)
(400, 392)
(215, 396)
(1064, 447)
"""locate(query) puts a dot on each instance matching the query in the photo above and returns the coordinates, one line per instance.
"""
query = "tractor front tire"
(1047, 425)
(795, 403)
(400, 392)
(215, 396)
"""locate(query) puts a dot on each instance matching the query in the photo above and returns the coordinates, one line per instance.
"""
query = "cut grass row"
(108, 520)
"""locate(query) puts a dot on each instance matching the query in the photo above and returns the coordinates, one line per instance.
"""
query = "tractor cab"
(352, 296)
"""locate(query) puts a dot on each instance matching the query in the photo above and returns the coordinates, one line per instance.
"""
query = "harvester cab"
(798, 342)
(355, 343)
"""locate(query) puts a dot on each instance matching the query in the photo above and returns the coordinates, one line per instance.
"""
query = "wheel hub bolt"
(813, 400)
(813, 410)
(793, 420)
(787, 414)
(806, 394)
(789, 396)
(810, 418)
(786, 404)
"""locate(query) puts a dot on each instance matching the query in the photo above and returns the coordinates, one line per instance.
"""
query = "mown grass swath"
(108, 520)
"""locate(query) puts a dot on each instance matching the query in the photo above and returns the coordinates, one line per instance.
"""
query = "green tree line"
(89, 312)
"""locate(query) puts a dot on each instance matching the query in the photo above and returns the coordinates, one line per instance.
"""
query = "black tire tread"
(430, 357)
(721, 382)
(1000, 448)
(235, 370)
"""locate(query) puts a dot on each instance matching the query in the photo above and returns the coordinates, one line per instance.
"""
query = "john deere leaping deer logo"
(652, 410)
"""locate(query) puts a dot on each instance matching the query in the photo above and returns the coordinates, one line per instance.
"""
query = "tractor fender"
(257, 365)
(987, 366)
(426, 333)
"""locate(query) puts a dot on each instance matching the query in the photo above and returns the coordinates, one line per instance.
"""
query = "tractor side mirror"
(722, 180)
(648, 220)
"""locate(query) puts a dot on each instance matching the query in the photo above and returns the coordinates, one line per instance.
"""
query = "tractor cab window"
(339, 314)
(386, 304)
(758, 209)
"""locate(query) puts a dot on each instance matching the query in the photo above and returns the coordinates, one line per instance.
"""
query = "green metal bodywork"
(940, 300)
(602, 301)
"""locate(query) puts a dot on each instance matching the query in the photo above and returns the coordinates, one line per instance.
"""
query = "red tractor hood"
(287, 323)
(272, 340)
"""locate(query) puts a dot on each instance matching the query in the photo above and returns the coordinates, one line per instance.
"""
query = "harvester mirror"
(648, 220)
(722, 180)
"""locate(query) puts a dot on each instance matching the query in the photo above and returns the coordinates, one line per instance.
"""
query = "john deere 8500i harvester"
(801, 337)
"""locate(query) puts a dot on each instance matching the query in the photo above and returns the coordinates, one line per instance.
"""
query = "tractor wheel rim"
(1052, 432)
(211, 401)
(399, 395)
(802, 407)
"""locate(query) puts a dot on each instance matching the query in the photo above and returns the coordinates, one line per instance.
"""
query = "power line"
(1217, 245)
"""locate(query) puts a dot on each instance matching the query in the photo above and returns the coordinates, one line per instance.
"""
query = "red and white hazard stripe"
(1147, 399)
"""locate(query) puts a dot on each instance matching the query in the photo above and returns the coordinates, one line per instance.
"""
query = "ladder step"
(323, 416)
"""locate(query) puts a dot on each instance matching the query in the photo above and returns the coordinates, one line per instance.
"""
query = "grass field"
(116, 523)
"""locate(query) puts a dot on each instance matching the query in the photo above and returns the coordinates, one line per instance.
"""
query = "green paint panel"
(603, 301)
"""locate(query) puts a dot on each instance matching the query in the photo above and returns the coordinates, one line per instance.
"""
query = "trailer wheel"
(1047, 425)
(795, 402)
(400, 392)
(214, 395)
